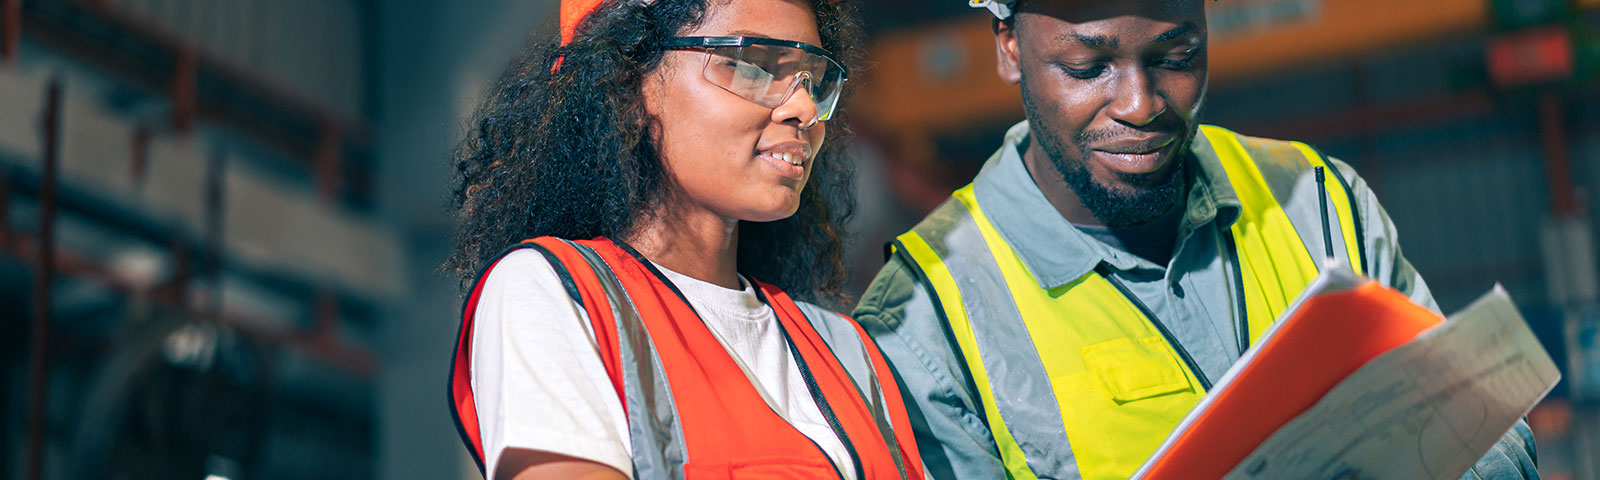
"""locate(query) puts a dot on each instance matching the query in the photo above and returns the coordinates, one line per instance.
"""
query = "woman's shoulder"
(520, 275)
(520, 265)
(534, 260)
(522, 294)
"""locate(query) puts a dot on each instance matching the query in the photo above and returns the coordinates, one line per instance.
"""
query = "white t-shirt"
(539, 384)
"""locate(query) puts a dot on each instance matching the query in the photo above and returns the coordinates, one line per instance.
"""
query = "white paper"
(1428, 409)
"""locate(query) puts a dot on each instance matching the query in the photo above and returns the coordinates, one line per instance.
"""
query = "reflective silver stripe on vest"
(654, 433)
(1019, 383)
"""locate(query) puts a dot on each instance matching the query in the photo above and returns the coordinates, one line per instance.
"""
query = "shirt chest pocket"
(1133, 369)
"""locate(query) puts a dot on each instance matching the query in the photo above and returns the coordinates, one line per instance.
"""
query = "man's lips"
(1136, 157)
(1151, 144)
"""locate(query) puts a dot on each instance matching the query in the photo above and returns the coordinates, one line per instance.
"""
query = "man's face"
(1112, 89)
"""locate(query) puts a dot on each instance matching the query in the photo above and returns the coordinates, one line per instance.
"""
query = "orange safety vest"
(708, 421)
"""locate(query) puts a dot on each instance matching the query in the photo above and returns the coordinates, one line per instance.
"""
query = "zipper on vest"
(822, 402)
(1150, 316)
(827, 411)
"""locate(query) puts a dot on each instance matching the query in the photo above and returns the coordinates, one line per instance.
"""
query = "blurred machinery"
(190, 256)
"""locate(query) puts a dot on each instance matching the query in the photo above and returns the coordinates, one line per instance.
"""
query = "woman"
(666, 158)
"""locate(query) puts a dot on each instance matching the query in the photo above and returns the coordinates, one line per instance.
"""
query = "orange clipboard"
(1330, 336)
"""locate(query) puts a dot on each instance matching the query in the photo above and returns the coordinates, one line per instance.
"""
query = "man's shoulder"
(882, 306)
(941, 219)
(1282, 156)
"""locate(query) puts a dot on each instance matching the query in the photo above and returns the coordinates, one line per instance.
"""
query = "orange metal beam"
(182, 88)
(5, 210)
(328, 159)
(10, 28)
(1564, 198)
(1338, 29)
(43, 279)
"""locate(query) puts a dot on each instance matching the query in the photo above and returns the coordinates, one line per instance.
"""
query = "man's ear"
(1007, 63)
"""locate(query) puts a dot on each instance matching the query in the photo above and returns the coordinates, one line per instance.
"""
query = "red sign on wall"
(1530, 56)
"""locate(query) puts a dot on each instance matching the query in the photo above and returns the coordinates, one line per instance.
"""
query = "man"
(1059, 316)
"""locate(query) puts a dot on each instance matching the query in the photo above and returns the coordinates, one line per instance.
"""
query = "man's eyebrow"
(1095, 41)
(1176, 32)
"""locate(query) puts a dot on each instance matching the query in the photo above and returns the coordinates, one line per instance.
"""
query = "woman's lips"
(789, 165)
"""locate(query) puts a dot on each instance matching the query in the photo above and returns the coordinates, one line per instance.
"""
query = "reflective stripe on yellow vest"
(1117, 383)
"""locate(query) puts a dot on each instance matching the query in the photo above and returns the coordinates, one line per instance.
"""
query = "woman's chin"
(771, 214)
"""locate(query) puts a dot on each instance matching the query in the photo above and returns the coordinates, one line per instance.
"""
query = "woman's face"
(726, 154)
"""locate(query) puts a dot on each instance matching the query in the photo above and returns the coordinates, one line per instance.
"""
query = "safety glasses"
(767, 71)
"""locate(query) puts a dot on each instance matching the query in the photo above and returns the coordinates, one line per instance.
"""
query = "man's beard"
(1153, 197)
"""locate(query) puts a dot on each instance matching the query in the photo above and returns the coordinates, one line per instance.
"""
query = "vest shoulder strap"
(937, 224)
(1264, 173)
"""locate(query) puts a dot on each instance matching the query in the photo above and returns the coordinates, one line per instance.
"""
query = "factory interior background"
(245, 200)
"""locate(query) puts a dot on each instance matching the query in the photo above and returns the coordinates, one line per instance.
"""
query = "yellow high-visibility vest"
(1079, 380)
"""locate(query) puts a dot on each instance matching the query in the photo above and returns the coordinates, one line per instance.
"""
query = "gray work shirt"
(1192, 295)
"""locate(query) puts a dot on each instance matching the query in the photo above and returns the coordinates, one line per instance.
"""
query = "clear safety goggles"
(768, 71)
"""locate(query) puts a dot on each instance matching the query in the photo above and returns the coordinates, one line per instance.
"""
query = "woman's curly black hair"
(568, 152)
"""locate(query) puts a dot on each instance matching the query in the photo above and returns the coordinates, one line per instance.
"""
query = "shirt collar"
(1211, 195)
(1053, 250)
